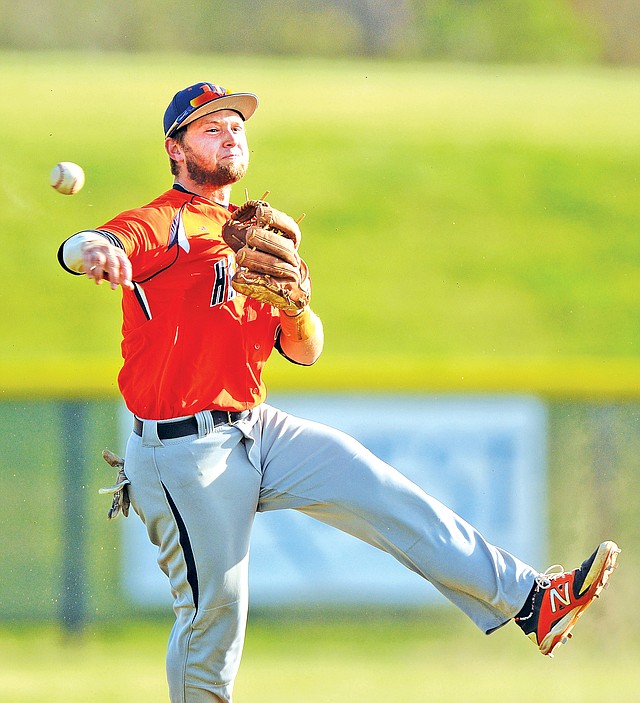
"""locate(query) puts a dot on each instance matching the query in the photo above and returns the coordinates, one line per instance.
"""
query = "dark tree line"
(444, 30)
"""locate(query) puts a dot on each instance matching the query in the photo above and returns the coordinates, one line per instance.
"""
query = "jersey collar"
(180, 188)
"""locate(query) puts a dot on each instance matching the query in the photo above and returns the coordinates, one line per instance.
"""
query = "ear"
(174, 149)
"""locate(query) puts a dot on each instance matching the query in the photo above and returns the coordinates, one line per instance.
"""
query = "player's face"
(215, 149)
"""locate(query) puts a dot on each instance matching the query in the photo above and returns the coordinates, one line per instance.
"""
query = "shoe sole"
(603, 565)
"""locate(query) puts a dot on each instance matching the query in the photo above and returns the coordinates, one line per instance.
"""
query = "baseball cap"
(202, 99)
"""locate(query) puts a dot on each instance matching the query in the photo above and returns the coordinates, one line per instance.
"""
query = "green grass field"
(408, 658)
(481, 215)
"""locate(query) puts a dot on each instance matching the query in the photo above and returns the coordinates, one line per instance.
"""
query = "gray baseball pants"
(198, 496)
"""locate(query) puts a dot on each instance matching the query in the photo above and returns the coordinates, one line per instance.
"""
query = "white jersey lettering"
(223, 271)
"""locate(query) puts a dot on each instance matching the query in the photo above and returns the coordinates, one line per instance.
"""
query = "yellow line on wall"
(580, 378)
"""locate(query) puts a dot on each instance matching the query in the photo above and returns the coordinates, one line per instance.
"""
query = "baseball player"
(208, 291)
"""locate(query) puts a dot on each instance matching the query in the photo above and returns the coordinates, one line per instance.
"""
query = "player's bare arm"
(302, 337)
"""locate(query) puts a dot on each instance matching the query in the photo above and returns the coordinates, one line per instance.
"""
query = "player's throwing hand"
(102, 261)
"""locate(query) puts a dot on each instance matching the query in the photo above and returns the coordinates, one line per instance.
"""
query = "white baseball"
(67, 178)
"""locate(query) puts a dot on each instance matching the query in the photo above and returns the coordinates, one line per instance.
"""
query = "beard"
(221, 175)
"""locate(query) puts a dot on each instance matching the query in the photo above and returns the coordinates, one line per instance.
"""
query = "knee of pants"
(205, 649)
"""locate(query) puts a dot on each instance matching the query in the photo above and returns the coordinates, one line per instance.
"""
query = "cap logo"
(209, 92)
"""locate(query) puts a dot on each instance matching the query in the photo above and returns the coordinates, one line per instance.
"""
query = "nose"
(231, 138)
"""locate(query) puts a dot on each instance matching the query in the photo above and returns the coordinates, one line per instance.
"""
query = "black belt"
(183, 428)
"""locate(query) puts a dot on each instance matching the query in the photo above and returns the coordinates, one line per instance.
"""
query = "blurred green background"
(470, 177)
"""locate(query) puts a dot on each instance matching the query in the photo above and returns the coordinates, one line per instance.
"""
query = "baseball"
(67, 178)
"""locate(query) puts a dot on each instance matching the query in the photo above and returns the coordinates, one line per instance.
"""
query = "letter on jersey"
(222, 290)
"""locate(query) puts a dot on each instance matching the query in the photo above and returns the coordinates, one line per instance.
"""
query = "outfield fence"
(62, 560)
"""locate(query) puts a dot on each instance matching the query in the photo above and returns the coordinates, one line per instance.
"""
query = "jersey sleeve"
(131, 231)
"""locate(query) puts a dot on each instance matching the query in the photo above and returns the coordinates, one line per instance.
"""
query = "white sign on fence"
(484, 457)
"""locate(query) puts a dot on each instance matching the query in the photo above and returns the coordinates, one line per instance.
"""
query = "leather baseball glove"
(269, 267)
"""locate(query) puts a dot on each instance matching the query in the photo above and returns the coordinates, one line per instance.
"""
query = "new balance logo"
(555, 596)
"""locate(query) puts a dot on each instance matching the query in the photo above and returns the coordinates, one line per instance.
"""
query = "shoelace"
(544, 580)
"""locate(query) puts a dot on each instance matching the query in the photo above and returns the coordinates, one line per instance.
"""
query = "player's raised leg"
(333, 478)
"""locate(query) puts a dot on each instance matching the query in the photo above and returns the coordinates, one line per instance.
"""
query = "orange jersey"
(190, 343)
